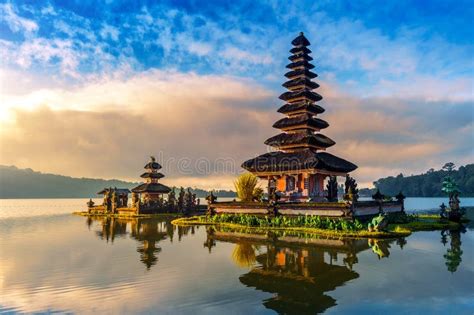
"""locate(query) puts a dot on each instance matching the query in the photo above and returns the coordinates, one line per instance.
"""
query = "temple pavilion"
(151, 191)
(300, 164)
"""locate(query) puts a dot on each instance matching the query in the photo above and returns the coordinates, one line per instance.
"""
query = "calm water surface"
(51, 261)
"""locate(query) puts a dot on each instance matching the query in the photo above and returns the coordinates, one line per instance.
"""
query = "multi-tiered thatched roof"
(151, 177)
(300, 142)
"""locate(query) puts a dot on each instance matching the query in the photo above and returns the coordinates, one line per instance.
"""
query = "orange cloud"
(204, 127)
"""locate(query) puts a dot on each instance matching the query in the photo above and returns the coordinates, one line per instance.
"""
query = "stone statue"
(349, 196)
(108, 200)
(114, 201)
(125, 200)
(379, 223)
(194, 200)
(443, 213)
(332, 189)
(134, 199)
(181, 200)
(172, 200)
(90, 204)
(106, 196)
(210, 200)
(188, 201)
(378, 196)
(271, 188)
(350, 185)
(401, 199)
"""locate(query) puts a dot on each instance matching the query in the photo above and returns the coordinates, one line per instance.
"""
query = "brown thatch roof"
(117, 190)
(300, 50)
(301, 63)
(153, 165)
(307, 94)
(294, 161)
(301, 72)
(303, 55)
(303, 119)
(152, 188)
(300, 40)
(152, 175)
(301, 81)
(300, 138)
(293, 107)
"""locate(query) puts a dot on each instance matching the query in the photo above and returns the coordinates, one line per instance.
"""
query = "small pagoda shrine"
(299, 166)
(151, 191)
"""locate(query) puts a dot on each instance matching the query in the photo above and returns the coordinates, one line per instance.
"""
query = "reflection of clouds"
(75, 299)
(57, 264)
(414, 279)
(425, 245)
(57, 270)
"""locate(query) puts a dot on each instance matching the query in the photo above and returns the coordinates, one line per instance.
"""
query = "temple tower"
(299, 166)
(151, 190)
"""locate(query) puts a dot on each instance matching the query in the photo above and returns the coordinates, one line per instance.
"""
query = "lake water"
(51, 261)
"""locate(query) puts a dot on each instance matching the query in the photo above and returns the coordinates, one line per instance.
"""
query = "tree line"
(429, 184)
(26, 183)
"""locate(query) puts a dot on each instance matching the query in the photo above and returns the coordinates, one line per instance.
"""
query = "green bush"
(246, 188)
(309, 221)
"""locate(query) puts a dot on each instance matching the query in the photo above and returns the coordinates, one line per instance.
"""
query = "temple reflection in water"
(147, 232)
(298, 272)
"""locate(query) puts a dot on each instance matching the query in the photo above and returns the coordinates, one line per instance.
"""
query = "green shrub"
(246, 187)
(309, 221)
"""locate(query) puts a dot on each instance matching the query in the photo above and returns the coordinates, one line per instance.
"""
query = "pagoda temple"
(151, 191)
(298, 167)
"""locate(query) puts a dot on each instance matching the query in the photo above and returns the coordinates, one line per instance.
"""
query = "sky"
(93, 88)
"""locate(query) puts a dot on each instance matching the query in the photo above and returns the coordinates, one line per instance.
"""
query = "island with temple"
(301, 175)
(150, 197)
(301, 178)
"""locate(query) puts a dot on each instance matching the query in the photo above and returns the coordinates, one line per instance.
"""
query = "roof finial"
(301, 33)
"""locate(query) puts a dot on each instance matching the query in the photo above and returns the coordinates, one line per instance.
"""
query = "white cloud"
(190, 118)
(49, 10)
(393, 92)
(16, 22)
(201, 120)
(43, 50)
(108, 31)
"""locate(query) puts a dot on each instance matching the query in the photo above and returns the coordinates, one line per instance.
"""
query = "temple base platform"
(358, 209)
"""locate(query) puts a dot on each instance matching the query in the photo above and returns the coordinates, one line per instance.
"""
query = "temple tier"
(298, 168)
(151, 190)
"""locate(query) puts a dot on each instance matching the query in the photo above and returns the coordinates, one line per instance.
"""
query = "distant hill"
(429, 183)
(26, 183)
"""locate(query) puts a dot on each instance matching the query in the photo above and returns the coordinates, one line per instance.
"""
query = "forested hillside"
(26, 183)
(429, 183)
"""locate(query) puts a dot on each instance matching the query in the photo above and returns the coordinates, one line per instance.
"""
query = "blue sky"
(404, 64)
(354, 41)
